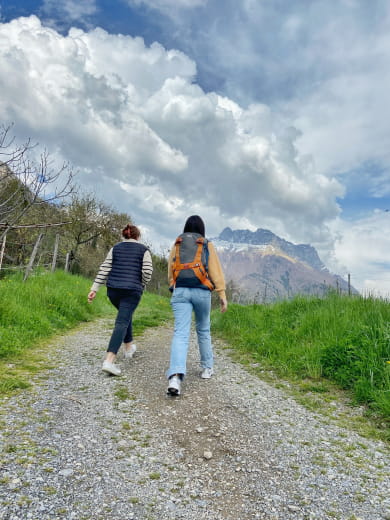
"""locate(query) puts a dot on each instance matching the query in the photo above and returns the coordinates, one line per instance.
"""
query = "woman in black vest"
(126, 271)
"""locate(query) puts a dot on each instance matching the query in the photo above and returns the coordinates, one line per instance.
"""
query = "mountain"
(259, 266)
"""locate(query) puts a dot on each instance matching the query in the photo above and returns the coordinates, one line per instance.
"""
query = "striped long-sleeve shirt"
(106, 266)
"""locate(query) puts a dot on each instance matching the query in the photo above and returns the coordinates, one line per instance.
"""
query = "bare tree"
(25, 182)
(94, 227)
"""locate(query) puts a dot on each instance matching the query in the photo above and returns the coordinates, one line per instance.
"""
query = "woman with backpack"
(194, 271)
(126, 271)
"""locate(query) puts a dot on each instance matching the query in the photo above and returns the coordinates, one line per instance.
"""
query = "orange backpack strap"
(196, 265)
(199, 268)
(176, 261)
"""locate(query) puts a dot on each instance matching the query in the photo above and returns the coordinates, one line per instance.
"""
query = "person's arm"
(217, 277)
(170, 265)
(101, 277)
(170, 262)
(147, 268)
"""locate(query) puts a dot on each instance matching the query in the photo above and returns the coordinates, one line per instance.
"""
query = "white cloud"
(168, 5)
(323, 64)
(345, 122)
(338, 67)
(363, 250)
(52, 88)
(150, 141)
(70, 9)
(171, 10)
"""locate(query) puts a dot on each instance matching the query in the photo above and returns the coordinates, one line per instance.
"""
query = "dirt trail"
(83, 445)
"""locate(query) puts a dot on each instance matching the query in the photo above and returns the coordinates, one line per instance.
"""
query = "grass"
(340, 339)
(33, 312)
(41, 307)
(325, 344)
(122, 394)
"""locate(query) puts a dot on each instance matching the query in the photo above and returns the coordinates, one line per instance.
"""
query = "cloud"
(364, 246)
(70, 9)
(345, 123)
(53, 87)
(166, 6)
(61, 15)
(324, 65)
(148, 139)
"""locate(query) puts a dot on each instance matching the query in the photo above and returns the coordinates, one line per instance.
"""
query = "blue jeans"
(185, 300)
(126, 301)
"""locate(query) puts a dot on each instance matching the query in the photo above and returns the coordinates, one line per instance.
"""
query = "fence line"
(25, 226)
(48, 258)
(32, 258)
(7, 227)
(55, 253)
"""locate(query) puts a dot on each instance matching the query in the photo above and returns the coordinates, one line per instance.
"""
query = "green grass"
(153, 311)
(345, 340)
(122, 394)
(47, 304)
(40, 307)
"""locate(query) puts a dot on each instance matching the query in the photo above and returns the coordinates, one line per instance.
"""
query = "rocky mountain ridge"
(259, 266)
(264, 237)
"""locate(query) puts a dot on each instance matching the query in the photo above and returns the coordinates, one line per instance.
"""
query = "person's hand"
(91, 296)
(223, 304)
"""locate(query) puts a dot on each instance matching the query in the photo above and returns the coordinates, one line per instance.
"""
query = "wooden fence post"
(349, 284)
(55, 253)
(2, 250)
(67, 262)
(32, 258)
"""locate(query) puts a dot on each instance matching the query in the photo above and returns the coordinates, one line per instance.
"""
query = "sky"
(252, 114)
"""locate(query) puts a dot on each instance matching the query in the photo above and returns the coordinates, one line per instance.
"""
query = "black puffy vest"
(126, 270)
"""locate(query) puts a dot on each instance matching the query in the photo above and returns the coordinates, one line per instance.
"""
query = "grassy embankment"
(339, 340)
(48, 304)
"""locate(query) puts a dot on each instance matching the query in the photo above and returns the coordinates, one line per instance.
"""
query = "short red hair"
(131, 231)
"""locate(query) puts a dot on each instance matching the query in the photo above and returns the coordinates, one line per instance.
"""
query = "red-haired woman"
(126, 271)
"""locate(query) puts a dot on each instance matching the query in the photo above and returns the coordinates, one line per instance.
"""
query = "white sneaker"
(174, 384)
(131, 351)
(110, 368)
(206, 373)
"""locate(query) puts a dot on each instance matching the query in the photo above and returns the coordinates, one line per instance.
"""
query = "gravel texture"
(84, 445)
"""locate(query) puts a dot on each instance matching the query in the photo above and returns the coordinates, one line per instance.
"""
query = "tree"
(159, 282)
(94, 227)
(26, 182)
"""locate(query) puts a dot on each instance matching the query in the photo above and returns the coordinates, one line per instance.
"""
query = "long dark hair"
(194, 224)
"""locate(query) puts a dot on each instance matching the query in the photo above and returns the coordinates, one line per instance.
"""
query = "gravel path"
(84, 445)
